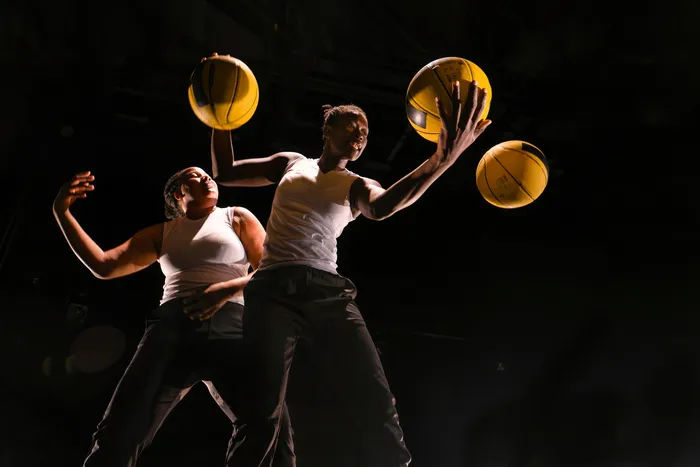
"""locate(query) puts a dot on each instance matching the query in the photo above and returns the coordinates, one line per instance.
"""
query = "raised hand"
(213, 55)
(464, 125)
(73, 190)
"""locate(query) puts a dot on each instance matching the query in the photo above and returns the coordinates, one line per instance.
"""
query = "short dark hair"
(331, 114)
(172, 205)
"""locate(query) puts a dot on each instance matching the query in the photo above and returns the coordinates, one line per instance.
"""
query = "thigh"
(353, 371)
(271, 329)
(227, 375)
(150, 387)
(350, 363)
(144, 375)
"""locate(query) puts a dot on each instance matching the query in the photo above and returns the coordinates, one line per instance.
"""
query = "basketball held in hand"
(435, 80)
(223, 92)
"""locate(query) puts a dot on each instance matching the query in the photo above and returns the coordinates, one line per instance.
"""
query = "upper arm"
(363, 192)
(252, 234)
(256, 172)
(137, 253)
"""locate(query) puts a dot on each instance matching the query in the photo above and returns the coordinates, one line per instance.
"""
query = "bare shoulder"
(289, 156)
(363, 184)
(153, 232)
(241, 214)
(152, 235)
(243, 218)
(362, 191)
(370, 182)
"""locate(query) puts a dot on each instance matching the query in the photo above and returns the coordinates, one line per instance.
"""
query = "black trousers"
(174, 354)
(287, 303)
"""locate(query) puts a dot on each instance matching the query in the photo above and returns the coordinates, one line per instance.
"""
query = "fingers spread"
(482, 99)
(441, 112)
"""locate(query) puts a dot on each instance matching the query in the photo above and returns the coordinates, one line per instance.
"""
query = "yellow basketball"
(435, 80)
(223, 92)
(512, 174)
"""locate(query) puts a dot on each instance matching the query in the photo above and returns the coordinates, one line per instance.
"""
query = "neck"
(331, 161)
(197, 212)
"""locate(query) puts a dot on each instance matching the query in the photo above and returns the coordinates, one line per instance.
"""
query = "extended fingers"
(207, 314)
(467, 108)
(441, 112)
(81, 188)
(481, 126)
(481, 101)
(81, 178)
(457, 101)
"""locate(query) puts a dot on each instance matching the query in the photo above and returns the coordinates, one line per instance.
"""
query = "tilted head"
(345, 131)
(190, 188)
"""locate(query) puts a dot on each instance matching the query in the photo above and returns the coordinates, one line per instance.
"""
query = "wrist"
(60, 211)
(441, 161)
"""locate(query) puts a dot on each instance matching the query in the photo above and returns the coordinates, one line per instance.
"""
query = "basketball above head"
(512, 174)
(435, 80)
(223, 92)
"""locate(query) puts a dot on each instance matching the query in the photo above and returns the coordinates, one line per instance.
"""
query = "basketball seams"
(444, 86)
(412, 101)
(488, 185)
(211, 70)
(220, 114)
(538, 162)
(511, 175)
(469, 67)
(250, 109)
(235, 91)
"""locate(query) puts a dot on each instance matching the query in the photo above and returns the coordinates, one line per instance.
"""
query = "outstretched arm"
(459, 130)
(247, 172)
(252, 235)
(137, 253)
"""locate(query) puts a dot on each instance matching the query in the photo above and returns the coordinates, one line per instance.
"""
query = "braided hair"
(173, 210)
(331, 114)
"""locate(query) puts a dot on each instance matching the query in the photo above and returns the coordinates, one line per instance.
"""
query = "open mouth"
(356, 146)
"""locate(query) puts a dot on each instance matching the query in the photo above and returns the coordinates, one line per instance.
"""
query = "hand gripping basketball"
(461, 127)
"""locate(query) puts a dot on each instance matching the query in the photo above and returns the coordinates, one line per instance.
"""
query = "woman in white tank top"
(205, 253)
(298, 294)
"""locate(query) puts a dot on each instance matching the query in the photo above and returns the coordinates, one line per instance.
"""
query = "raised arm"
(247, 172)
(459, 130)
(137, 253)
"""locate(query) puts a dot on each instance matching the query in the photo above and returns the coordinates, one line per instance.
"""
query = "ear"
(180, 192)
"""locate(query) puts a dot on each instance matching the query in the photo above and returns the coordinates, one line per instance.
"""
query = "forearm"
(221, 151)
(87, 251)
(234, 287)
(407, 190)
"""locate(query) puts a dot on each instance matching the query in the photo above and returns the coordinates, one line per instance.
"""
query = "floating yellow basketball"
(512, 174)
(435, 80)
(223, 92)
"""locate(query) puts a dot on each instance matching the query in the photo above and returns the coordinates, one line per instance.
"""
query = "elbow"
(103, 271)
(102, 275)
(223, 180)
(376, 213)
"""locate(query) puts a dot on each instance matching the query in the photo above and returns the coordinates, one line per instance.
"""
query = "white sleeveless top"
(201, 252)
(309, 212)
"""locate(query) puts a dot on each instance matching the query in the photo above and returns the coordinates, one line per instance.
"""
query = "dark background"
(560, 334)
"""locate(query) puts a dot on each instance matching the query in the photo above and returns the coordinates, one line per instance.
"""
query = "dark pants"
(287, 303)
(174, 354)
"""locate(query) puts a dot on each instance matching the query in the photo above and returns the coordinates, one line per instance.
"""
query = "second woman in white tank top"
(205, 253)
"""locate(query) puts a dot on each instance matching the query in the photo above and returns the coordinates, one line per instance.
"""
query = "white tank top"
(309, 212)
(201, 252)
